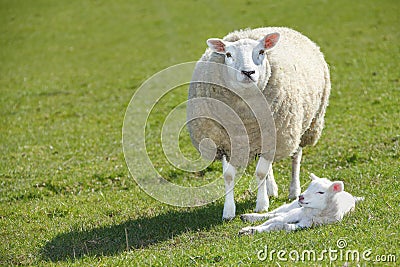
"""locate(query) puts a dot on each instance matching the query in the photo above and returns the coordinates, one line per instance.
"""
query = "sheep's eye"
(261, 52)
(320, 192)
(228, 54)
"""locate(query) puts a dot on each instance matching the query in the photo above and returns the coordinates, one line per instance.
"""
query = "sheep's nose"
(301, 198)
(248, 73)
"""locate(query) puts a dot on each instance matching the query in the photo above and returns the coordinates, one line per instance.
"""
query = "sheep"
(290, 72)
(324, 202)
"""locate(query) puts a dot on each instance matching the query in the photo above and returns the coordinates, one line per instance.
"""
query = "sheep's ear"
(270, 40)
(216, 45)
(313, 176)
(337, 187)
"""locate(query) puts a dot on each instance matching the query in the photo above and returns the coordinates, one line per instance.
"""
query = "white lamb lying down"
(323, 202)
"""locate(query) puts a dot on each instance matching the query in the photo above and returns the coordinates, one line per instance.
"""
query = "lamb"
(275, 63)
(323, 202)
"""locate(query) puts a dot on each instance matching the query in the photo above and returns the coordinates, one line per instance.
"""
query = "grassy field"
(68, 70)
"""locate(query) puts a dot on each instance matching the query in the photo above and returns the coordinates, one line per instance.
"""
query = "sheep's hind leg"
(229, 173)
(272, 188)
(295, 189)
(262, 170)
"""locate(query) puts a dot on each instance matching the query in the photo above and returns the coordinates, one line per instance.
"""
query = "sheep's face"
(319, 193)
(246, 59)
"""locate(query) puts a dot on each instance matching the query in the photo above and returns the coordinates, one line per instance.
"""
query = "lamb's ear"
(216, 45)
(337, 187)
(270, 40)
(313, 176)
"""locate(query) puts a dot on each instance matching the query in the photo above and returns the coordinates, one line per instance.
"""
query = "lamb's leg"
(286, 207)
(288, 221)
(262, 170)
(253, 217)
(295, 189)
(250, 230)
(229, 176)
(270, 225)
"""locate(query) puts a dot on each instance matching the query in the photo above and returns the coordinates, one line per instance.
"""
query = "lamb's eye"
(320, 192)
(228, 54)
(261, 52)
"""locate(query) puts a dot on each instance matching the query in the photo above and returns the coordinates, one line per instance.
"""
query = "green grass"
(67, 72)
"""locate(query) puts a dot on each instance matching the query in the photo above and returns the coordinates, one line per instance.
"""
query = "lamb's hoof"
(247, 231)
(245, 217)
(248, 217)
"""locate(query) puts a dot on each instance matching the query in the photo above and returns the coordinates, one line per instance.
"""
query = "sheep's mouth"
(248, 79)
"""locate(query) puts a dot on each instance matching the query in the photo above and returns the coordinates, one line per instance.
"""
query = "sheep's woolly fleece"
(297, 92)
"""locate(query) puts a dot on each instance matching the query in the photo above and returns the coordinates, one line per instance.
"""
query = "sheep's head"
(246, 60)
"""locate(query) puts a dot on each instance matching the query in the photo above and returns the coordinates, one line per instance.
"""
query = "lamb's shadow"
(135, 234)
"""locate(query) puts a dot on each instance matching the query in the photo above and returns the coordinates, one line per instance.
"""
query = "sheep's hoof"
(294, 193)
(229, 211)
(262, 207)
(228, 215)
(273, 192)
(228, 219)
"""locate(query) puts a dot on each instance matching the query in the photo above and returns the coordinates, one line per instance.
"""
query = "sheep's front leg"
(229, 173)
(295, 189)
(262, 170)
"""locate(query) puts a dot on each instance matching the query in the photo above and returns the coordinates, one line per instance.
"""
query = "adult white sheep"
(291, 72)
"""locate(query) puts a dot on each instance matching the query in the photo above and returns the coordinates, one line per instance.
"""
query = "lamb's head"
(319, 193)
(246, 60)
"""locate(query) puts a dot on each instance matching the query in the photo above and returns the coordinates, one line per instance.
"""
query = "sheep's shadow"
(132, 234)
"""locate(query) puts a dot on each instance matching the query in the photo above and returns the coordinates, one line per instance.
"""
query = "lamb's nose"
(248, 73)
(301, 198)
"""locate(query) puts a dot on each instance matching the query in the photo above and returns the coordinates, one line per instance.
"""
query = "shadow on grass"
(135, 234)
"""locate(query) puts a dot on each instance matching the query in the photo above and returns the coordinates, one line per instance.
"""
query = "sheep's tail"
(358, 199)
